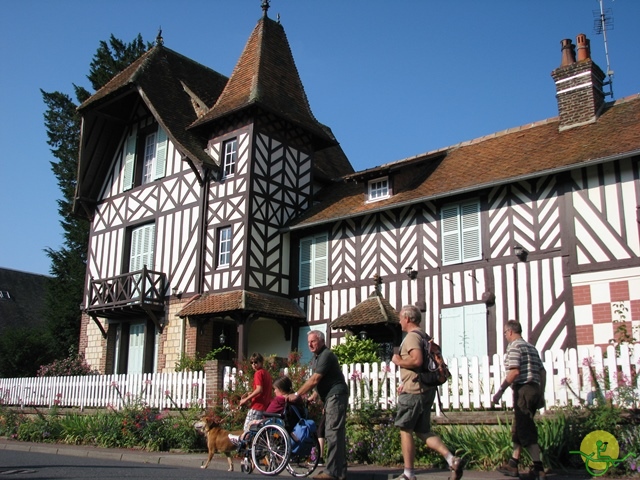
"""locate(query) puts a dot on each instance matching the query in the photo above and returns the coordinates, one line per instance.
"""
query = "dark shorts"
(414, 411)
(526, 399)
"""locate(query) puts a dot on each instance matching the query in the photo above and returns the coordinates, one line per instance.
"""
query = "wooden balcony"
(128, 295)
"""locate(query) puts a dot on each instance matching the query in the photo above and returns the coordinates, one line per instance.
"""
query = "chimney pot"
(584, 47)
(568, 52)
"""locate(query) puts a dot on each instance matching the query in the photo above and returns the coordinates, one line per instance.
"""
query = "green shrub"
(355, 350)
(42, 428)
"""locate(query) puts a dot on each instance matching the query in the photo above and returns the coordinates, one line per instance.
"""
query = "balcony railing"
(127, 294)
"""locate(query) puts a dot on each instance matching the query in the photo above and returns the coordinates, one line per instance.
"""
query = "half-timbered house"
(223, 212)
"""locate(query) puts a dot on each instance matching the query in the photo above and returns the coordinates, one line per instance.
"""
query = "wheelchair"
(268, 446)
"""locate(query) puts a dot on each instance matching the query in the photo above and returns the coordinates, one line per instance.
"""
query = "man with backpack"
(415, 399)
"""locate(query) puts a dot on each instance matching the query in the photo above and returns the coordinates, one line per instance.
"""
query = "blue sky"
(392, 79)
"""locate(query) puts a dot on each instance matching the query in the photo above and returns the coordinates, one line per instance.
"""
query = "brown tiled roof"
(247, 301)
(158, 75)
(266, 76)
(527, 151)
(375, 309)
(158, 78)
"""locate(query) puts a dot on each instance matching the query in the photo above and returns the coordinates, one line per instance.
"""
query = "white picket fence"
(471, 387)
(160, 390)
(474, 381)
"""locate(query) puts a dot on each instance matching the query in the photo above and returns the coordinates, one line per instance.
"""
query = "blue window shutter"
(161, 154)
(475, 327)
(129, 161)
(452, 341)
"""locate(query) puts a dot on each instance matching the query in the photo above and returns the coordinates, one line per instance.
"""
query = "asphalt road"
(50, 461)
(41, 466)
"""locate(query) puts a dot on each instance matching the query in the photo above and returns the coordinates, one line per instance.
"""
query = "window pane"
(230, 152)
(378, 189)
(148, 166)
(224, 246)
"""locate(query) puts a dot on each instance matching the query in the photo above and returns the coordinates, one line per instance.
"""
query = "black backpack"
(434, 371)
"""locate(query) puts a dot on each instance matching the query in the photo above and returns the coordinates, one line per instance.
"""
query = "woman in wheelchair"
(281, 387)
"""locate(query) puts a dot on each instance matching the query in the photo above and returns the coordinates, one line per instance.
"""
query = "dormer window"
(378, 189)
(230, 157)
(145, 156)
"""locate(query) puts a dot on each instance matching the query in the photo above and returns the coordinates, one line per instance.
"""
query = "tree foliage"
(68, 263)
(23, 350)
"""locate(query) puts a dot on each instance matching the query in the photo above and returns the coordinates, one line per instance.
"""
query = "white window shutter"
(147, 246)
(162, 145)
(142, 247)
(470, 223)
(305, 263)
(451, 244)
(136, 247)
(320, 261)
(129, 161)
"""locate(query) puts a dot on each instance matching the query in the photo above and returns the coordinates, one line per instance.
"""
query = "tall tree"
(62, 122)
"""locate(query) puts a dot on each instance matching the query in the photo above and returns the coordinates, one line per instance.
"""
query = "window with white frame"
(149, 158)
(313, 261)
(461, 239)
(145, 156)
(464, 331)
(224, 247)
(229, 157)
(378, 189)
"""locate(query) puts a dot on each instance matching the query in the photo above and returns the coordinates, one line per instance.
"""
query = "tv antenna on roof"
(603, 21)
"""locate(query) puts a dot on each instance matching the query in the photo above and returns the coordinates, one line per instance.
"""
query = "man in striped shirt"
(526, 375)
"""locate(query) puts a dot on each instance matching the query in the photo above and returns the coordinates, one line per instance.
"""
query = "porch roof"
(250, 302)
(374, 310)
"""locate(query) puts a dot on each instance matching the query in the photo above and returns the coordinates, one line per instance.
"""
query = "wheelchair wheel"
(302, 465)
(271, 449)
(246, 466)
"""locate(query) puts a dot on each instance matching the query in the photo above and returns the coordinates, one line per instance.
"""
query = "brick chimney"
(578, 85)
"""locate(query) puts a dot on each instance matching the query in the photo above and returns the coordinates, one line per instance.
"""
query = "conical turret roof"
(266, 76)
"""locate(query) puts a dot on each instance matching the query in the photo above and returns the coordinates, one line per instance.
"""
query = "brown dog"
(217, 440)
